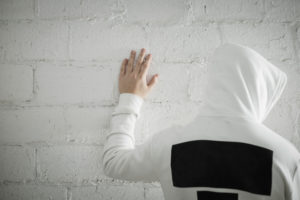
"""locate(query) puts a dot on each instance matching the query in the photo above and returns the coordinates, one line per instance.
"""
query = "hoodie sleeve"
(121, 158)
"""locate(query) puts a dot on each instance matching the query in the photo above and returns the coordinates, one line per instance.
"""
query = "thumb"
(153, 81)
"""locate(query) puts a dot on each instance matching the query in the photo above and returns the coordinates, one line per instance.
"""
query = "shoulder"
(283, 145)
(285, 152)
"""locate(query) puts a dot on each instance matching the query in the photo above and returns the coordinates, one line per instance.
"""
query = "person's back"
(226, 152)
(224, 161)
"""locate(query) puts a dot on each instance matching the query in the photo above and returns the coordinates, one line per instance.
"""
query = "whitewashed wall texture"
(59, 62)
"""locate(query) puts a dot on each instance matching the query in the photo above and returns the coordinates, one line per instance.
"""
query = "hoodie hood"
(241, 83)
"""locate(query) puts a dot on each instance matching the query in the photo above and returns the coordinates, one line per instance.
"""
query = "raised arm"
(121, 158)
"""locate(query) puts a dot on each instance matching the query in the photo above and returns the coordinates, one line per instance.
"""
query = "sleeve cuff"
(129, 103)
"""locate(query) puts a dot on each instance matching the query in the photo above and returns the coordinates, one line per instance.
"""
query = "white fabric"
(242, 88)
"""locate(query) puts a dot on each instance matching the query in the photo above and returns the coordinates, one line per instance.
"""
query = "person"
(225, 152)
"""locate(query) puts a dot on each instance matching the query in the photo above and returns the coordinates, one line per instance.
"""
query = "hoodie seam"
(273, 98)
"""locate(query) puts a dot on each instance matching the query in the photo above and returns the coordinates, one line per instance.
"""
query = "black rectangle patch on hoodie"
(222, 164)
(207, 195)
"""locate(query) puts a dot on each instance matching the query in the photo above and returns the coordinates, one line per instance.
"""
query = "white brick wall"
(59, 62)
(71, 85)
(74, 164)
(15, 9)
(16, 83)
(34, 40)
(17, 163)
(95, 42)
(31, 124)
(107, 191)
(29, 191)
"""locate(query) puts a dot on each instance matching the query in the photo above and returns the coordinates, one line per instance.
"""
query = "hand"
(132, 79)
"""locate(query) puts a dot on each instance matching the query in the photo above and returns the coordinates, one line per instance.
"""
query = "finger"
(146, 65)
(140, 61)
(123, 67)
(153, 81)
(131, 61)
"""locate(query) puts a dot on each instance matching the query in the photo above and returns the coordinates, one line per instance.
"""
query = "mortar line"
(35, 164)
(36, 9)
(69, 193)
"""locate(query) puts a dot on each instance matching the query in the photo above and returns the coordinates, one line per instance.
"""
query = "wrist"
(130, 102)
(133, 94)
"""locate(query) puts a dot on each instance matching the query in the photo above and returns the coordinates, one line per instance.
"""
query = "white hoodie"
(225, 153)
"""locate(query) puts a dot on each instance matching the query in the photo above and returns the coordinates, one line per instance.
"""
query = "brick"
(154, 193)
(297, 8)
(269, 39)
(74, 9)
(100, 41)
(76, 164)
(70, 84)
(138, 11)
(297, 40)
(17, 163)
(16, 192)
(34, 40)
(105, 192)
(19, 126)
(183, 43)
(15, 9)
(279, 10)
(228, 10)
(16, 82)
(88, 125)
